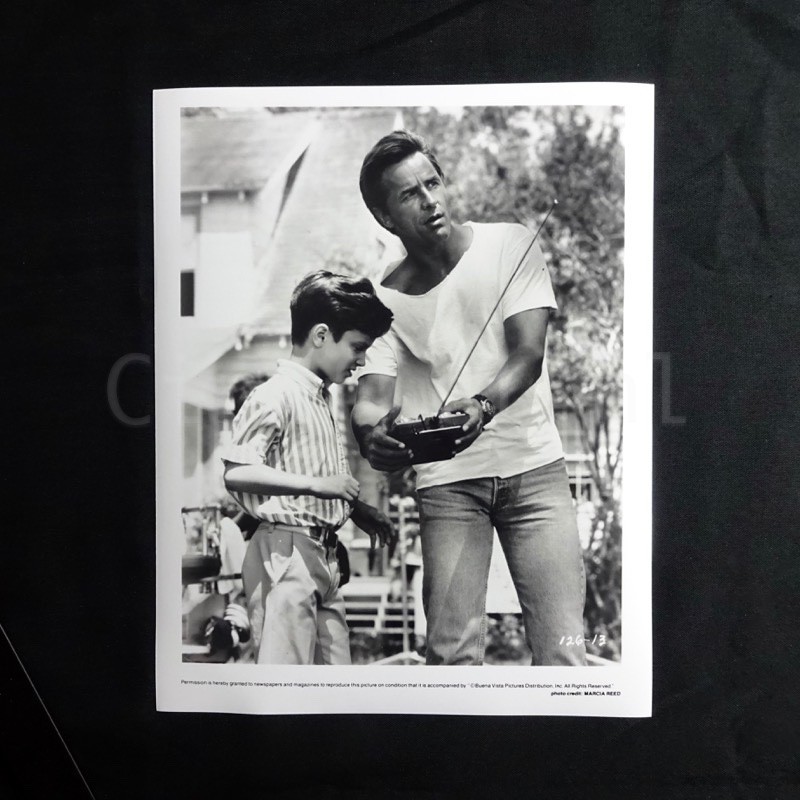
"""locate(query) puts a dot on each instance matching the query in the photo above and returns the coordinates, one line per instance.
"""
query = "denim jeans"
(534, 516)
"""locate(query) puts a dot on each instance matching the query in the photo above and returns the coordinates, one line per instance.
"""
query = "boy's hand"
(374, 523)
(336, 487)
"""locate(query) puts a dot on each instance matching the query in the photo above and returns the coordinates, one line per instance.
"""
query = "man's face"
(338, 360)
(415, 207)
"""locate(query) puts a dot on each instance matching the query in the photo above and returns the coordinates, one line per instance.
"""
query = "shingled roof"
(324, 217)
(238, 152)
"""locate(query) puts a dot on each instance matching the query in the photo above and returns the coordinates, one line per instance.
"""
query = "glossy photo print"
(403, 386)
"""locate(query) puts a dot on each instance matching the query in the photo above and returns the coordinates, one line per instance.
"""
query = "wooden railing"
(370, 609)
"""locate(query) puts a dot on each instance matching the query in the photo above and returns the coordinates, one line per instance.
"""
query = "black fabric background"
(78, 545)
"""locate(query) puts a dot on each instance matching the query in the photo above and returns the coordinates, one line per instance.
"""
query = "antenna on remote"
(496, 305)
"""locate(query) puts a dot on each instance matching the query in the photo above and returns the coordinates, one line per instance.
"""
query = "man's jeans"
(534, 516)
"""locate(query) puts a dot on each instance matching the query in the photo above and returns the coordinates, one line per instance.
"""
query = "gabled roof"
(238, 152)
(324, 217)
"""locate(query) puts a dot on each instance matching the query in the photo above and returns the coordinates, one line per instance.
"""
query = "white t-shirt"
(432, 334)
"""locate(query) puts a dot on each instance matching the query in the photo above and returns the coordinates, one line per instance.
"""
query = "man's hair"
(242, 388)
(390, 150)
(342, 303)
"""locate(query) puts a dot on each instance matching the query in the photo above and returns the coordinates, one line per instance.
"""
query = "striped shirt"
(287, 423)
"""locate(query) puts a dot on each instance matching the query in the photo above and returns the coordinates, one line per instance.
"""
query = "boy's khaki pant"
(297, 614)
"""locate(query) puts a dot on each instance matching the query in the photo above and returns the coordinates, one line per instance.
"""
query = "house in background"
(236, 175)
(265, 198)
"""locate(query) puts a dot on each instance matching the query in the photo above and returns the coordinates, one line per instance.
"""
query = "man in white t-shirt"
(508, 472)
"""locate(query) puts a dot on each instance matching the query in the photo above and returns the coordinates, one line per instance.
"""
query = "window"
(580, 479)
(190, 226)
(187, 293)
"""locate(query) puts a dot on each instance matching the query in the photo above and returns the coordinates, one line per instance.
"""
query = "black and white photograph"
(403, 382)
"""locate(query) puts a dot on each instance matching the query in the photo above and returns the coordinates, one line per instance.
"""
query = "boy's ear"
(318, 334)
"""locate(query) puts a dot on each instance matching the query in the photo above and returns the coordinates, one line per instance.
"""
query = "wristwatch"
(487, 407)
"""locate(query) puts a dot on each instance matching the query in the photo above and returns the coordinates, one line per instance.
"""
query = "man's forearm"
(261, 479)
(522, 369)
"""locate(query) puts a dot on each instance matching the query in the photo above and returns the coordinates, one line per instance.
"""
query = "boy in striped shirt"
(287, 466)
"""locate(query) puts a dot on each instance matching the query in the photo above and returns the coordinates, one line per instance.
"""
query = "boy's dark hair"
(390, 150)
(342, 303)
(242, 388)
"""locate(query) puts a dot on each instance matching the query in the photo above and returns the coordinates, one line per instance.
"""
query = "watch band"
(487, 407)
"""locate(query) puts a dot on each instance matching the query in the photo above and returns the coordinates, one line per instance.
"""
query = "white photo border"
(622, 690)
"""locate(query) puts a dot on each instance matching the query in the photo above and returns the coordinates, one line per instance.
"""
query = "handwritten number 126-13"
(570, 641)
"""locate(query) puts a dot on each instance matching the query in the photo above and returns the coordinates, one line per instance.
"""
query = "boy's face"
(336, 361)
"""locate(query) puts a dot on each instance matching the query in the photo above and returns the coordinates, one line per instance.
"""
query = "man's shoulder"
(392, 277)
(499, 236)
(500, 230)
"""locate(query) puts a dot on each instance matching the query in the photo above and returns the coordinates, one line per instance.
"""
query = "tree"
(585, 246)
(582, 165)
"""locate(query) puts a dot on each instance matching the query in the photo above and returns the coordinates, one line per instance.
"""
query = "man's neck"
(444, 255)
(427, 267)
